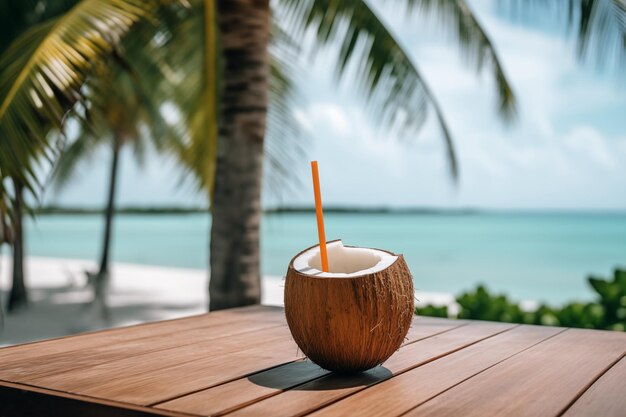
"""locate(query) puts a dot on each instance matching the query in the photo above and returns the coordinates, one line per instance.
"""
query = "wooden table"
(244, 362)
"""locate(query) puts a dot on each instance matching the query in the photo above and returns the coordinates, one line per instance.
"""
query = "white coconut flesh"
(343, 262)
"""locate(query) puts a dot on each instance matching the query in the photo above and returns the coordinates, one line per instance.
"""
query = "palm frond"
(473, 41)
(203, 151)
(285, 139)
(601, 30)
(599, 26)
(16, 16)
(193, 93)
(620, 14)
(42, 72)
(120, 108)
(391, 81)
(80, 149)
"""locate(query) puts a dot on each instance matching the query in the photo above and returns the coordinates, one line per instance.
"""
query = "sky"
(566, 149)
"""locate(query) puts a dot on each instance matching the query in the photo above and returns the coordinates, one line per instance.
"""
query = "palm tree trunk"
(1, 304)
(1, 295)
(236, 206)
(110, 209)
(101, 279)
(18, 296)
(5, 237)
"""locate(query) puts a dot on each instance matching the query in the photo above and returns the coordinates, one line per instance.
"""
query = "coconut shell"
(350, 324)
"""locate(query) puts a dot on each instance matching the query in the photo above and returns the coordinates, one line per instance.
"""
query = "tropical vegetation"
(607, 311)
(49, 52)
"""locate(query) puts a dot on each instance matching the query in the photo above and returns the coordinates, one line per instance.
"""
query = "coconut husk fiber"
(350, 324)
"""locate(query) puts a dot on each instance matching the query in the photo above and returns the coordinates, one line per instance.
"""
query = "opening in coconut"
(343, 261)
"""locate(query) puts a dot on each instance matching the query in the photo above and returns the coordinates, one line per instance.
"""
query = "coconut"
(353, 317)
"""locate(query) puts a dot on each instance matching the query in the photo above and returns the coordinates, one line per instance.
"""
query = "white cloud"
(332, 115)
(588, 142)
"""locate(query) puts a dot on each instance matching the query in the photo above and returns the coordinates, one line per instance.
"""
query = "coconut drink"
(348, 308)
(354, 316)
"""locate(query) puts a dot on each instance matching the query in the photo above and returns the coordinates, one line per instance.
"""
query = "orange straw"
(320, 216)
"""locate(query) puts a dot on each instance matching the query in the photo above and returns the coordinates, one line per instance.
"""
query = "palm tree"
(42, 73)
(126, 115)
(15, 18)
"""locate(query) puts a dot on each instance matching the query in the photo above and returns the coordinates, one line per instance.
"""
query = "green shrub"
(432, 311)
(612, 299)
(607, 312)
(481, 305)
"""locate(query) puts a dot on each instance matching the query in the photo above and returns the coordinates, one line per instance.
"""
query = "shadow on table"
(307, 376)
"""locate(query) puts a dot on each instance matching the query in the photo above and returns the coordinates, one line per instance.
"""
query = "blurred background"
(148, 145)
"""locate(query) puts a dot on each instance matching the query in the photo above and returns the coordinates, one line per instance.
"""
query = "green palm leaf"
(190, 66)
(386, 74)
(599, 26)
(16, 16)
(199, 153)
(601, 29)
(41, 75)
(120, 108)
(475, 44)
(286, 141)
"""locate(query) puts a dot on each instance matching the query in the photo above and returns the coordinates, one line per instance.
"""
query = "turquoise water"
(528, 256)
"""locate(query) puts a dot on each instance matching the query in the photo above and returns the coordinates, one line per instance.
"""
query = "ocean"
(544, 257)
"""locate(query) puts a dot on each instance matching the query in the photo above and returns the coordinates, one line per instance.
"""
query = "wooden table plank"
(241, 392)
(541, 381)
(400, 394)
(423, 327)
(48, 365)
(236, 394)
(606, 397)
(24, 353)
(135, 379)
(331, 388)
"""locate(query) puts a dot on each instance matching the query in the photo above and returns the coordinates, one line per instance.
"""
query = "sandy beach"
(138, 294)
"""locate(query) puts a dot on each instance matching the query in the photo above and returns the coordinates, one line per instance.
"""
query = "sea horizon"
(529, 256)
(352, 209)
